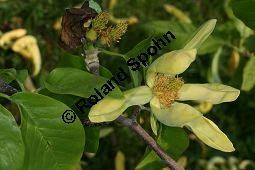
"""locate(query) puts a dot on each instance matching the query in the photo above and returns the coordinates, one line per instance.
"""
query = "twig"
(150, 141)
(88, 123)
(6, 88)
(133, 125)
(136, 112)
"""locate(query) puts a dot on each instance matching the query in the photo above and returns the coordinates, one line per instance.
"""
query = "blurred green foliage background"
(236, 119)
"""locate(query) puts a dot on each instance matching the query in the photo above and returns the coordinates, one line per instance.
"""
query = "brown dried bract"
(72, 26)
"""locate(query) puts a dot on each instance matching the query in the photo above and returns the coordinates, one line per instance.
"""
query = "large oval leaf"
(49, 142)
(77, 82)
(11, 143)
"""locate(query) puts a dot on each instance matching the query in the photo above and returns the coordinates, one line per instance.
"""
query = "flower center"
(166, 88)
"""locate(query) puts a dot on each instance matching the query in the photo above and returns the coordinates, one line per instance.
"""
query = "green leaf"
(68, 60)
(8, 75)
(67, 99)
(244, 10)
(210, 45)
(11, 143)
(249, 75)
(50, 143)
(92, 139)
(77, 82)
(173, 140)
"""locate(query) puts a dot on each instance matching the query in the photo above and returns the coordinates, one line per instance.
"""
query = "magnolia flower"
(165, 91)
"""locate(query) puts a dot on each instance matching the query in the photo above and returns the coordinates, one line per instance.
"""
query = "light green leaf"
(244, 10)
(174, 140)
(11, 143)
(249, 75)
(50, 143)
(95, 6)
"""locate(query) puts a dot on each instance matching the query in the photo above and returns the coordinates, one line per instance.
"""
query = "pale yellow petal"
(213, 93)
(172, 63)
(107, 109)
(36, 59)
(201, 35)
(28, 48)
(138, 96)
(210, 134)
(7, 37)
(177, 115)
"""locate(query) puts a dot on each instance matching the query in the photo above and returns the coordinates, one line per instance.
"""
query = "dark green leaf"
(11, 143)
(180, 30)
(138, 49)
(244, 10)
(92, 139)
(56, 144)
(73, 61)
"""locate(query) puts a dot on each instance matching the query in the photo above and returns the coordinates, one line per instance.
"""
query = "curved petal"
(172, 63)
(138, 96)
(107, 109)
(210, 134)
(11, 35)
(28, 48)
(213, 93)
(202, 34)
(177, 115)
(111, 108)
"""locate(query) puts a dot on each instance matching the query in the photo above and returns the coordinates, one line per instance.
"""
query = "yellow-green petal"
(172, 63)
(107, 109)
(213, 93)
(201, 35)
(138, 96)
(177, 115)
(210, 134)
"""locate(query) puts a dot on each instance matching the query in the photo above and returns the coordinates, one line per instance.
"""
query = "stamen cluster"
(166, 88)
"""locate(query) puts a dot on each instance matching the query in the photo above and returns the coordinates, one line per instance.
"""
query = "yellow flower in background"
(28, 48)
(8, 37)
(25, 45)
(165, 91)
